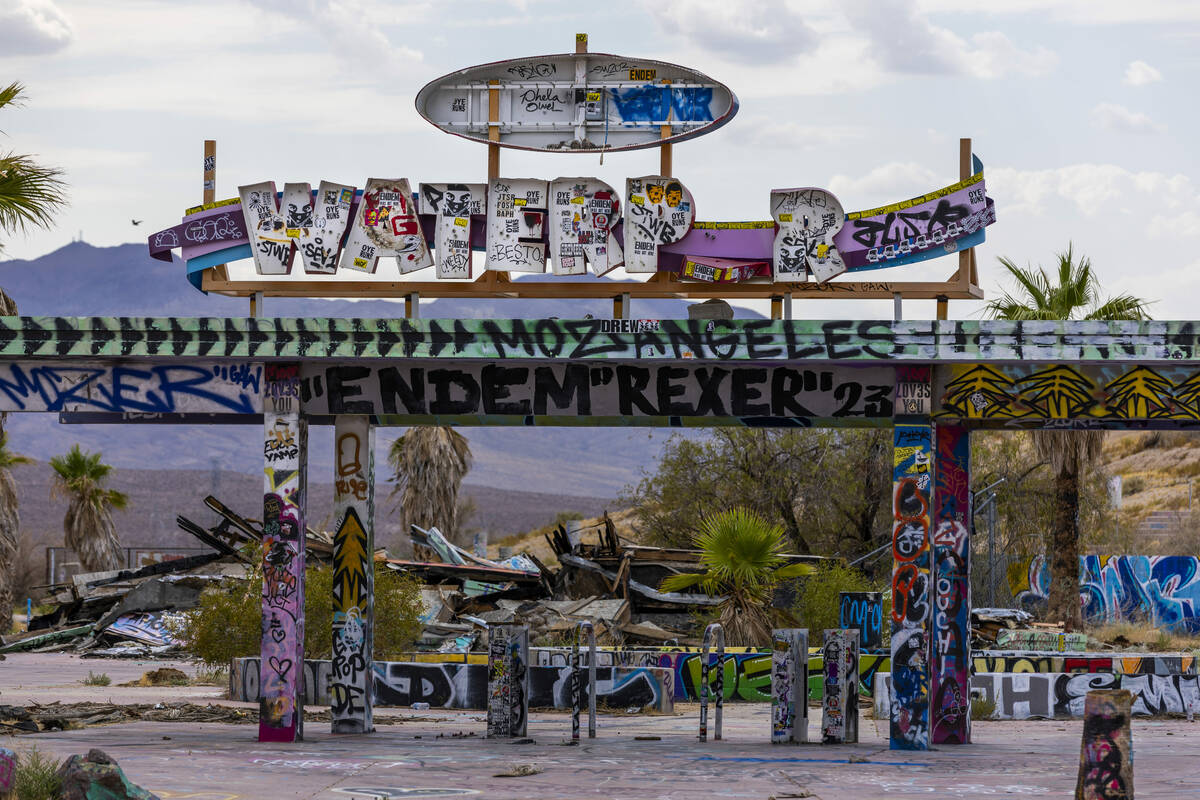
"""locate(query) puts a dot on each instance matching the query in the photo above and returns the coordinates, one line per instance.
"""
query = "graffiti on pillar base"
(789, 685)
(1106, 757)
(839, 705)
(910, 585)
(508, 680)
(950, 714)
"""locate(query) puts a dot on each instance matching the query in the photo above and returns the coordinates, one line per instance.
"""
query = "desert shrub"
(982, 708)
(35, 777)
(817, 601)
(228, 622)
(96, 679)
(1132, 485)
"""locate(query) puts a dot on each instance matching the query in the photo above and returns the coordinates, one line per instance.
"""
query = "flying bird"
(136, 221)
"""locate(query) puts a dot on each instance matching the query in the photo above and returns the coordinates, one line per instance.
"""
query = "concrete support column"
(950, 712)
(839, 703)
(508, 681)
(912, 487)
(352, 673)
(1106, 755)
(285, 462)
(789, 685)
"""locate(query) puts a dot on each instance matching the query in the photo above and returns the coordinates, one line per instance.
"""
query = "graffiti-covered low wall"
(1124, 663)
(747, 675)
(402, 683)
(1061, 695)
(1162, 590)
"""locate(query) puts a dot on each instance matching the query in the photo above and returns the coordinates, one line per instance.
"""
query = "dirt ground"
(443, 753)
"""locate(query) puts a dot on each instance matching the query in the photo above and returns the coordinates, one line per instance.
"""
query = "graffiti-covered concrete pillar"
(789, 685)
(353, 574)
(508, 680)
(839, 704)
(911, 591)
(950, 712)
(285, 462)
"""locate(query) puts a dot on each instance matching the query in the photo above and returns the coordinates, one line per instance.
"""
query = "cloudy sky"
(1080, 110)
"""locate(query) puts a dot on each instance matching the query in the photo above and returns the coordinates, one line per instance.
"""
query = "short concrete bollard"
(576, 683)
(712, 630)
(789, 685)
(839, 708)
(508, 681)
(1106, 756)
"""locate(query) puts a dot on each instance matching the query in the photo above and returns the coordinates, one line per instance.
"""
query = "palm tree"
(89, 528)
(29, 193)
(10, 524)
(1074, 293)
(743, 560)
(429, 464)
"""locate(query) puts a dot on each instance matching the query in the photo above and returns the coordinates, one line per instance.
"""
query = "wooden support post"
(950, 711)
(839, 703)
(210, 171)
(789, 685)
(777, 307)
(965, 257)
(581, 42)
(412, 305)
(508, 681)
(352, 681)
(493, 131)
(943, 306)
(665, 167)
(285, 451)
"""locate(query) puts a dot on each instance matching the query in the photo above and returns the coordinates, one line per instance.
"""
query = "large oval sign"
(577, 103)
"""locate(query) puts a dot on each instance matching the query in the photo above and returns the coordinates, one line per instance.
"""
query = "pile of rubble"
(601, 578)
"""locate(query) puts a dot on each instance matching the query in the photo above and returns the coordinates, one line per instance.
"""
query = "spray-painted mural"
(1024, 391)
(951, 710)
(911, 590)
(1161, 590)
(862, 611)
(1050, 695)
(353, 573)
(442, 685)
(281, 717)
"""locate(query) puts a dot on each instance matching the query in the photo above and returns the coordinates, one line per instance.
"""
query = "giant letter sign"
(317, 227)
(452, 205)
(386, 225)
(266, 226)
(516, 214)
(583, 212)
(658, 210)
(808, 220)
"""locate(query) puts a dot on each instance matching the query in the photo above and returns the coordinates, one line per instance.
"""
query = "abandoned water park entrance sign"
(344, 240)
(932, 381)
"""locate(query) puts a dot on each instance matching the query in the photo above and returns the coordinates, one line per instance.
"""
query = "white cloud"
(351, 27)
(1151, 201)
(753, 32)
(905, 41)
(1113, 117)
(1082, 12)
(888, 183)
(33, 27)
(1139, 73)
(783, 134)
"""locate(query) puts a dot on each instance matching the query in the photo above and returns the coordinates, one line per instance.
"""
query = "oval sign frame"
(539, 78)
